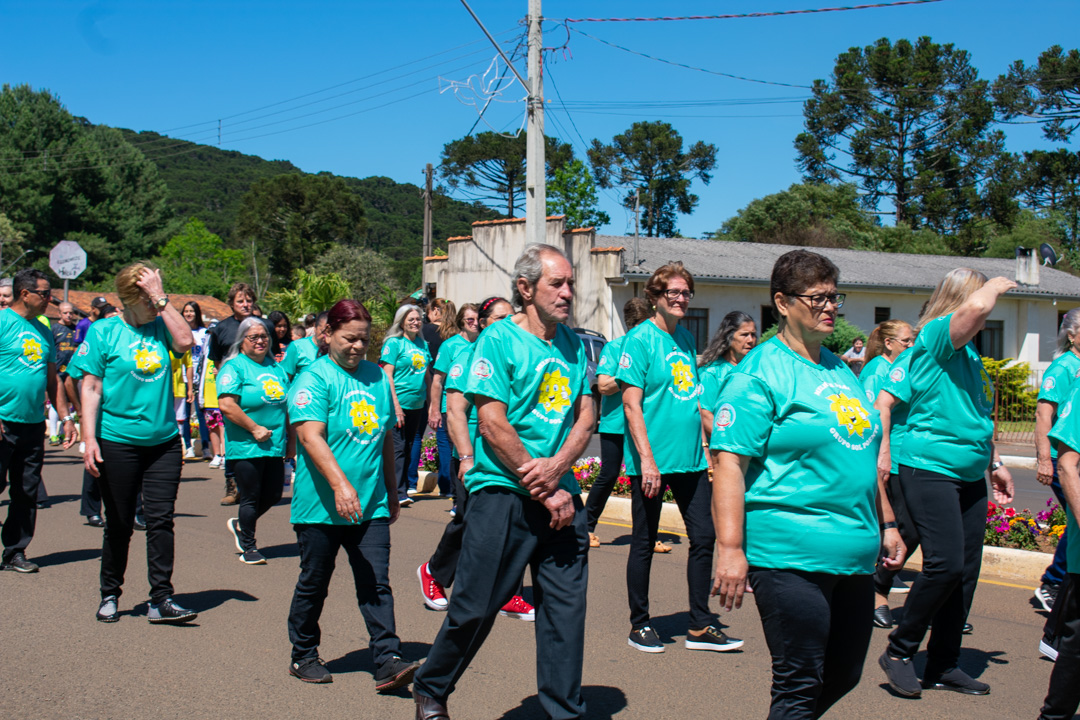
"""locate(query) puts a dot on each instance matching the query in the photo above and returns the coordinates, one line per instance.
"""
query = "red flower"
(1009, 512)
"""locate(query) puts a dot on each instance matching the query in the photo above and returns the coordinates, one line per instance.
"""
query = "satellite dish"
(1049, 257)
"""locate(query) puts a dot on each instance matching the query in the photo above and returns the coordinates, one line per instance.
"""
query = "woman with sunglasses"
(657, 372)
(251, 394)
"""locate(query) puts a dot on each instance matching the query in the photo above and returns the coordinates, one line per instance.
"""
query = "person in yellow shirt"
(183, 398)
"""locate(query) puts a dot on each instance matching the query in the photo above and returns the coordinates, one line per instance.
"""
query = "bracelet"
(466, 457)
(70, 418)
(889, 525)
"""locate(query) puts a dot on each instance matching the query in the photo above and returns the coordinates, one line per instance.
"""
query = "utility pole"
(427, 210)
(535, 188)
(637, 210)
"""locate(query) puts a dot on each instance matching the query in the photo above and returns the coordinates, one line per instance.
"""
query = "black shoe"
(169, 612)
(19, 563)
(712, 639)
(901, 675)
(95, 521)
(394, 673)
(252, 557)
(140, 524)
(429, 708)
(107, 610)
(312, 670)
(883, 617)
(1047, 594)
(1048, 647)
(956, 680)
(645, 639)
(967, 629)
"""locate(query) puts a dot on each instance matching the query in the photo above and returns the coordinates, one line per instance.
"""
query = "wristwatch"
(995, 465)
(161, 303)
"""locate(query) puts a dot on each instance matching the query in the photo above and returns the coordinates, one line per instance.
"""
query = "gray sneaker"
(901, 675)
(107, 611)
(169, 612)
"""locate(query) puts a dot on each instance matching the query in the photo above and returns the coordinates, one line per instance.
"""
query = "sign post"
(68, 260)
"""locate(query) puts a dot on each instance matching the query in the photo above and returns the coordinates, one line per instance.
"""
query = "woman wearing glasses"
(658, 375)
(886, 370)
(251, 394)
(468, 319)
(794, 447)
(943, 460)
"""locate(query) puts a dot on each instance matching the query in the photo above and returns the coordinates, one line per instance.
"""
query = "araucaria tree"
(490, 168)
(1048, 91)
(909, 123)
(649, 157)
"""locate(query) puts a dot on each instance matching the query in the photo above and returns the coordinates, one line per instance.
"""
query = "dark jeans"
(1063, 696)
(444, 561)
(259, 482)
(883, 577)
(504, 533)
(818, 629)
(368, 547)
(125, 471)
(950, 519)
(1055, 621)
(611, 455)
(1056, 570)
(91, 497)
(22, 452)
(411, 431)
(442, 441)
(693, 495)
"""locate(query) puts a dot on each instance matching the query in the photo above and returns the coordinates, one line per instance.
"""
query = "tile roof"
(751, 263)
(212, 308)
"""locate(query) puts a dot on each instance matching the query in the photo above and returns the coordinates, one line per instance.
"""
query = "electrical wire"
(735, 16)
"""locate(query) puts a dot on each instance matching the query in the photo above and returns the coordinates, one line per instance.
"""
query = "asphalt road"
(60, 663)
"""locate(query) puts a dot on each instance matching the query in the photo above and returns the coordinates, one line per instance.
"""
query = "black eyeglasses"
(676, 294)
(42, 293)
(257, 338)
(818, 302)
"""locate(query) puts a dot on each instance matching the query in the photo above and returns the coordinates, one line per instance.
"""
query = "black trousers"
(22, 452)
(883, 577)
(611, 455)
(444, 561)
(950, 519)
(367, 546)
(1063, 697)
(693, 495)
(125, 471)
(91, 497)
(818, 629)
(504, 533)
(259, 482)
(404, 437)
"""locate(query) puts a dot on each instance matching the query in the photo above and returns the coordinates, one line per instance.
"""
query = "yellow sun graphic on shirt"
(418, 361)
(31, 349)
(850, 414)
(988, 387)
(147, 361)
(682, 375)
(364, 417)
(273, 390)
(555, 392)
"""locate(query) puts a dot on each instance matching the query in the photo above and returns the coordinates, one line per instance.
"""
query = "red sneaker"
(518, 608)
(434, 595)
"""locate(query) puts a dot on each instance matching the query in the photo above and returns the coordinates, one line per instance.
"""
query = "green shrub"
(843, 335)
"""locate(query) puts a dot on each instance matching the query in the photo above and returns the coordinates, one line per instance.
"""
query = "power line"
(734, 16)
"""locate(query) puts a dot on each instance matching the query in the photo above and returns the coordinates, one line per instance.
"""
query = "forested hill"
(208, 183)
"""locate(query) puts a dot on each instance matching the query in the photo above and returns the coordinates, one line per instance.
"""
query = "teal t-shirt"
(811, 483)
(895, 380)
(260, 390)
(949, 416)
(1058, 382)
(712, 376)
(26, 349)
(449, 353)
(539, 382)
(665, 368)
(298, 356)
(410, 360)
(136, 380)
(457, 378)
(612, 419)
(358, 412)
(1066, 431)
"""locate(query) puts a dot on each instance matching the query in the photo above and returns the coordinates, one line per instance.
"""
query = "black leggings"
(403, 443)
(1064, 693)
(611, 455)
(950, 519)
(259, 482)
(883, 577)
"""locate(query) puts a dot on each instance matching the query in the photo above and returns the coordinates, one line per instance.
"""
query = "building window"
(881, 314)
(697, 322)
(990, 342)
(769, 317)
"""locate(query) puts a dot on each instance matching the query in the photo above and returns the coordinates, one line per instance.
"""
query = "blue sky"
(177, 68)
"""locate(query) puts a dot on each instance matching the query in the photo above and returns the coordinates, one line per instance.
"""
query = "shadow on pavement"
(972, 661)
(280, 551)
(68, 556)
(360, 660)
(602, 701)
(204, 600)
(57, 499)
(662, 536)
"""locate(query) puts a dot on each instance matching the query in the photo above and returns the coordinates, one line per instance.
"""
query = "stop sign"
(67, 259)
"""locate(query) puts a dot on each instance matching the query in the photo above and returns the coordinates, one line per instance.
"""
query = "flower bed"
(587, 471)
(429, 455)
(1023, 530)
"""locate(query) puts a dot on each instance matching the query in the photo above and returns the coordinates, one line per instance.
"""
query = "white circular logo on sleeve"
(226, 379)
(897, 374)
(725, 416)
(302, 398)
(482, 368)
(1048, 384)
(455, 371)
(625, 361)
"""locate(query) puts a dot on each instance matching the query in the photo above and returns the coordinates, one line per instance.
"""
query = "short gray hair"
(6, 282)
(1070, 325)
(530, 268)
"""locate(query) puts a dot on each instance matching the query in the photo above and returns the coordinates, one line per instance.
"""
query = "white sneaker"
(412, 491)
(190, 454)
(217, 462)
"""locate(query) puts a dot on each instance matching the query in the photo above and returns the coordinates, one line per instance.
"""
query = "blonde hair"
(950, 293)
(888, 330)
(130, 293)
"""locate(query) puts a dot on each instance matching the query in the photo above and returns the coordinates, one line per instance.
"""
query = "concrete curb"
(1019, 461)
(1006, 564)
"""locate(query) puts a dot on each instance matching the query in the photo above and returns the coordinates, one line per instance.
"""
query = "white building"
(735, 276)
